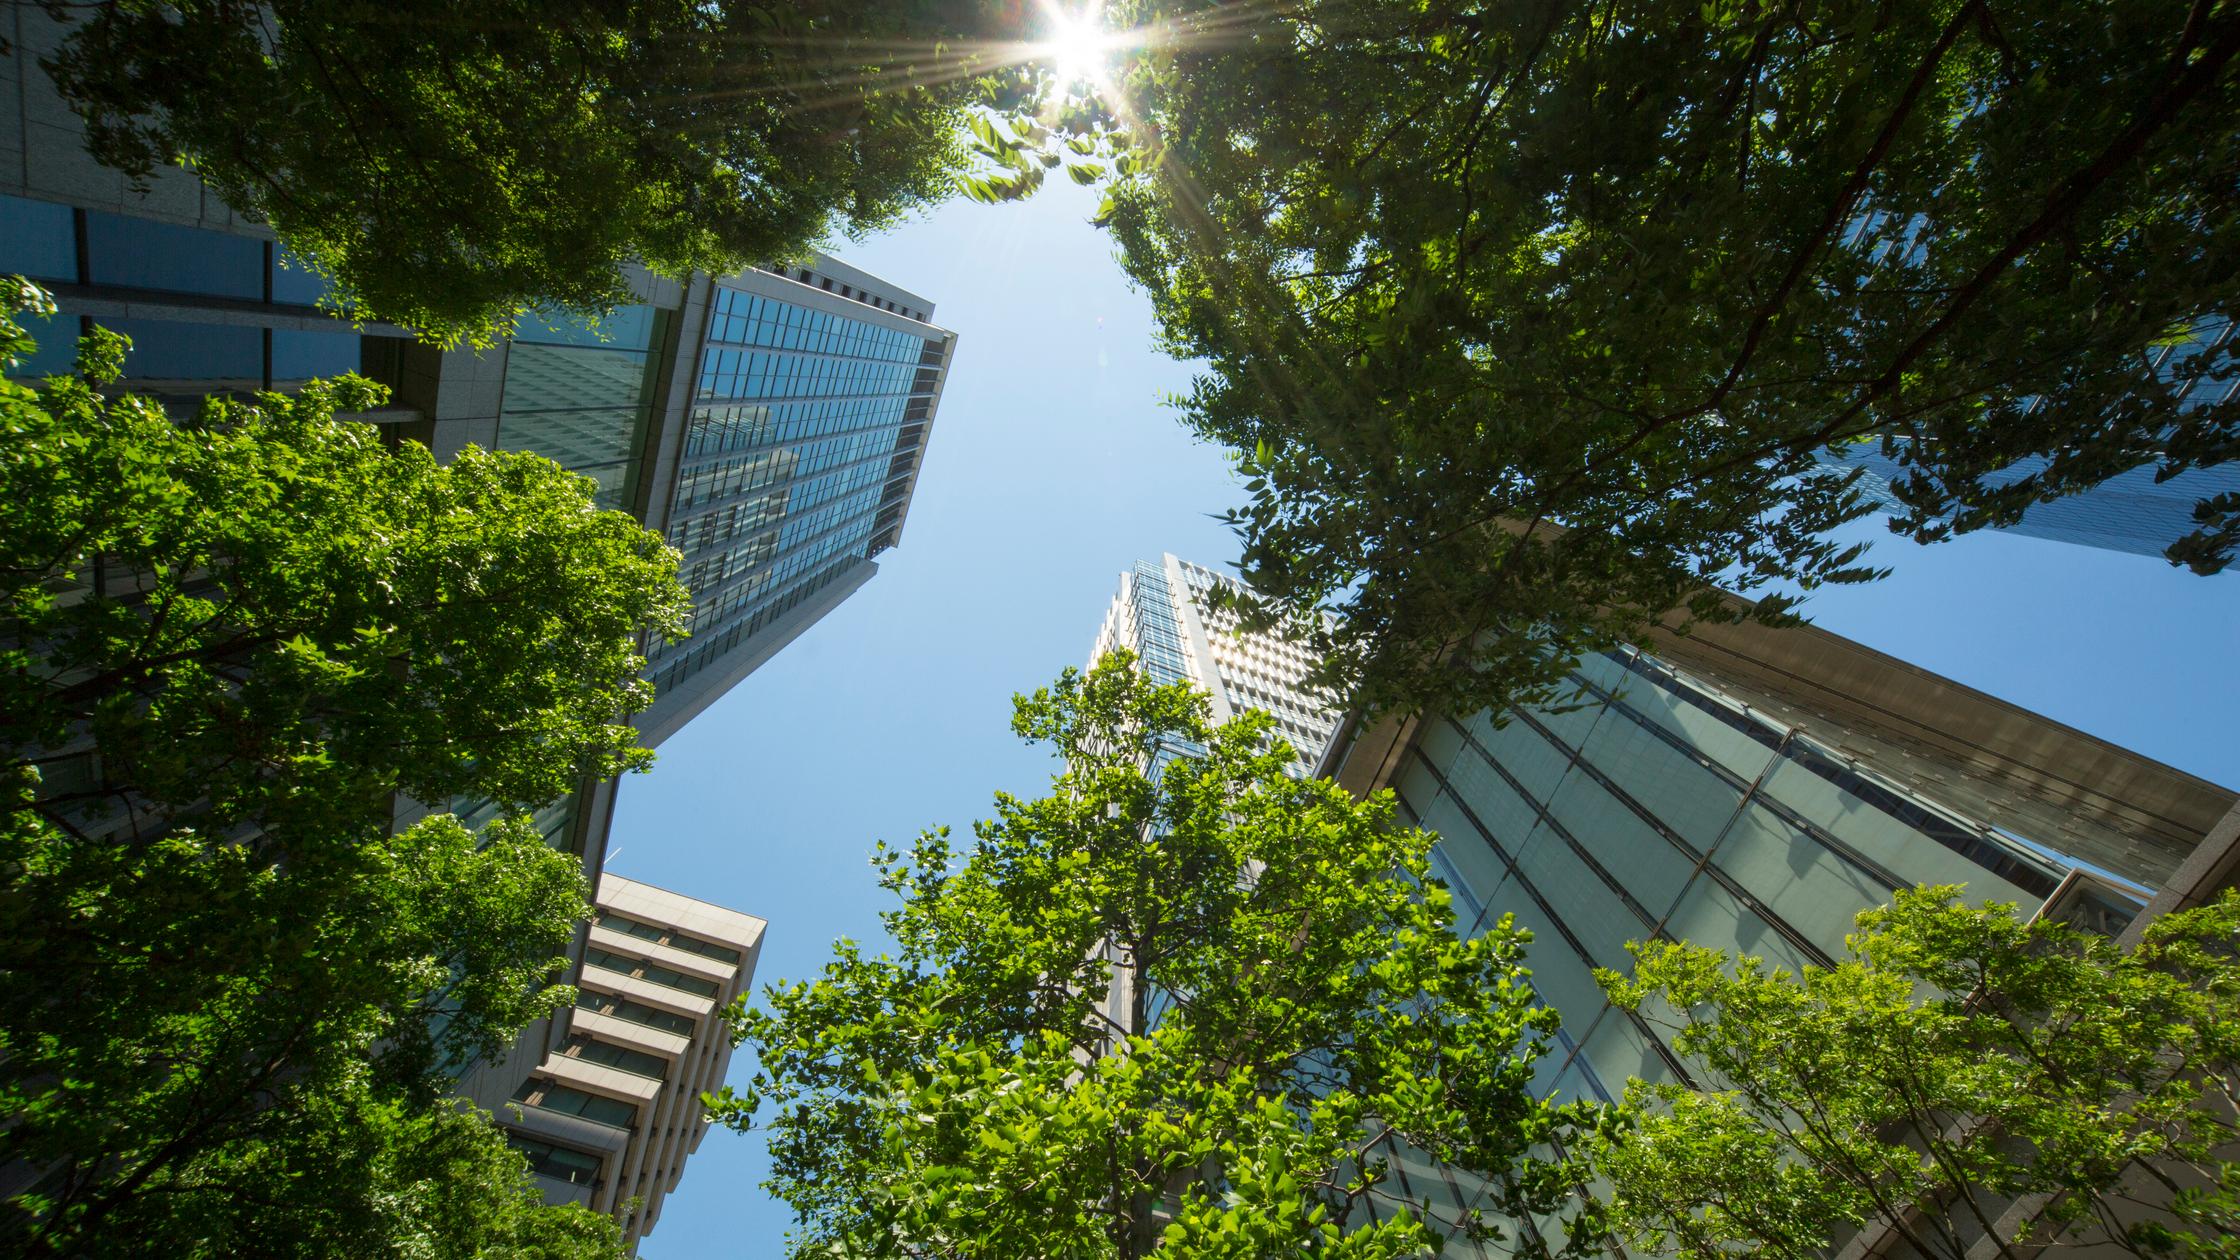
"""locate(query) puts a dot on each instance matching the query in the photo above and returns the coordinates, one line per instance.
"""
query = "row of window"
(701, 652)
(713, 567)
(746, 426)
(634, 1011)
(747, 319)
(714, 607)
(620, 1058)
(727, 375)
(865, 296)
(47, 241)
(738, 475)
(577, 1168)
(668, 936)
(567, 1100)
(642, 969)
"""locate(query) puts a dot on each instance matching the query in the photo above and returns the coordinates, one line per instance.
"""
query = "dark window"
(636, 1012)
(557, 1162)
(621, 1058)
(208, 356)
(37, 240)
(145, 254)
(303, 356)
(539, 1092)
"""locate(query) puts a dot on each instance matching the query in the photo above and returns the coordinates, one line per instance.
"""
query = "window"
(644, 970)
(621, 1058)
(666, 936)
(612, 1112)
(557, 1162)
(636, 1012)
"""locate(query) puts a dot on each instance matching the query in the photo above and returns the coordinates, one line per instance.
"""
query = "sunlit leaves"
(1958, 1061)
(234, 645)
(989, 1090)
(1550, 312)
(447, 175)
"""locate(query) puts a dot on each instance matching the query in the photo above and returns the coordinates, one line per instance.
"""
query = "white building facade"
(1162, 613)
(609, 1117)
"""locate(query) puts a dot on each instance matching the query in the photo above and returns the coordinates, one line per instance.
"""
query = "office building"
(1753, 789)
(609, 1114)
(1163, 614)
(2129, 512)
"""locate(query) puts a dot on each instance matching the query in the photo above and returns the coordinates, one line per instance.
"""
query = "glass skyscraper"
(2129, 512)
(808, 416)
(1753, 790)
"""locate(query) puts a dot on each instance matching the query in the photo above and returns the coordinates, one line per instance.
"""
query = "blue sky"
(1052, 466)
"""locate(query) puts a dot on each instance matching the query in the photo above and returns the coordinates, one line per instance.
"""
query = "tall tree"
(1190, 1012)
(227, 647)
(447, 166)
(1463, 274)
(1961, 1076)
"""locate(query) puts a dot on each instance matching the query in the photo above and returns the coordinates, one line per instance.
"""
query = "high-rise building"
(2130, 512)
(1753, 789)
(1162, 613)
(609, 1115)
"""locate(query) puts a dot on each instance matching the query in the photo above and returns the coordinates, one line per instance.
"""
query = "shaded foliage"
(230, 647)
(1528, 321)
(1960, 1063)
(448, 166)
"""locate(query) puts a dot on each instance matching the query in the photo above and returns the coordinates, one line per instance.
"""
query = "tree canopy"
(1961, 1076)
(228, 646)
(1528, 321)
(448, 166)
(1182, 1005)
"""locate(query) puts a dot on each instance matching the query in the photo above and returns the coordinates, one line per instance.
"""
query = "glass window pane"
(195, 357)
(1710, 916)
(303, 356)
(37, 240)
(145, 254)
(1649, 867)
(1798, 878)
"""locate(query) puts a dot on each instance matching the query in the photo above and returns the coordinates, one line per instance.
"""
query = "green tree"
(448, 166)
(1957, 1065)
(228, 647)
(1461, 274)
(1183, 1013)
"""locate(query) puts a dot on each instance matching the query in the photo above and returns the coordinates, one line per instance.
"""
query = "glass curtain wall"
(582, 397)
(1656, 808)
(797, 459)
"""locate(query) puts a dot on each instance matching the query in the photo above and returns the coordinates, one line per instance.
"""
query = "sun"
(1079, 48)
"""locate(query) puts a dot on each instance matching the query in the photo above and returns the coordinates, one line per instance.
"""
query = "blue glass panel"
(145, 254)
(294, 282)
(36, 240)
(57, 351)
(223, 355)
(303, 356)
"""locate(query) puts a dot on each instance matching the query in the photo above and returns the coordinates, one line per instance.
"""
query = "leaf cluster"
(1183, 1005)
(449, 168)
(1961, 1076)
(231, 647)
(1527, 322)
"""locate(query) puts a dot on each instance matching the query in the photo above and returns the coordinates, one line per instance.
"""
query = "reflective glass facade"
(1662, 806)
(583, 398)
(2129, 512)
(799, 457)
(245, 317)
(1163, 613)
